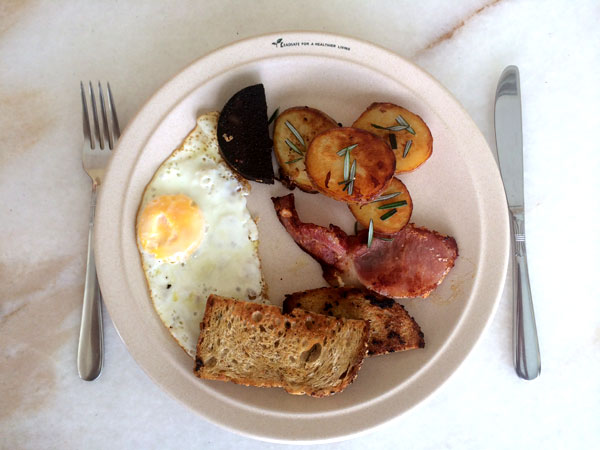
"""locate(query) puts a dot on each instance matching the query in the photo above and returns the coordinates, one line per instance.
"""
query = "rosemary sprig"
(403, 122)
(402, 125)
(351, 187)
(347, 166)
(370, 235)
(293, 147)
(385, 239)
(392, 128)
(407, 148)
(352, 177)
(393, 205)
(386, 197)
(273, 116)
(349, 171)
(393, 142)
(345, 150)
(349, 181)
(295, 133)
(388, 214)
(356, 227)
(348, 185)
(294, 160)
(352, 171)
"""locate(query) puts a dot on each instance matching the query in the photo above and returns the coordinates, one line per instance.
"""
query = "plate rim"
(107, 269)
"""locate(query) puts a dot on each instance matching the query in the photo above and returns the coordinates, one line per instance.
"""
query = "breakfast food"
(294, 130)
(195, 235)
(349, 164)
(243, 134)
(391, 327)
(412, 264)
(390, 212)
(199, 244)
(258, 345)
(407, 134)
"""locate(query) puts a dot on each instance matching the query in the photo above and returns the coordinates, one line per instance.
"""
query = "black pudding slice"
(243, 134)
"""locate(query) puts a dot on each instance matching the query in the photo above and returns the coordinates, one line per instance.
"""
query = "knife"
(509, 142)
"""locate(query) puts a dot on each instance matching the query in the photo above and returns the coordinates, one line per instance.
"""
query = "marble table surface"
(46, 48)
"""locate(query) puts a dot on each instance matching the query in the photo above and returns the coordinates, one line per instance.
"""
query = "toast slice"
(258, 345)
(392, 328)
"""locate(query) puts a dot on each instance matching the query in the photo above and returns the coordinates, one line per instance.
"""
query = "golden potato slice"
(390, 214)
(349, 164)
(308, 122)
(413, 145)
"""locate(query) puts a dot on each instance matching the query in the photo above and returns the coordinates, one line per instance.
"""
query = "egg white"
(226, 262)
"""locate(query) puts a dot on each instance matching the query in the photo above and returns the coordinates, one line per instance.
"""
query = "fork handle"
(527, 349)
(90, 351)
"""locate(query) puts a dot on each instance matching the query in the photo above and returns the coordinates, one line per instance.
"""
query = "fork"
(97, 149)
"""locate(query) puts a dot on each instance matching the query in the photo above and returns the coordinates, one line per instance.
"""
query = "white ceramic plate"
(458, 191)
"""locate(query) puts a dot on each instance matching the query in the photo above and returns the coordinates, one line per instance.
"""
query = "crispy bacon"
(413, 264)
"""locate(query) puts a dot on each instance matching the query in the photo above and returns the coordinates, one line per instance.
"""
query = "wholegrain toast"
(258, 345)
(392, 328)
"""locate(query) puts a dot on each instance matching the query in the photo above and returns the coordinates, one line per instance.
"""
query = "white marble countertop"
(47, 47)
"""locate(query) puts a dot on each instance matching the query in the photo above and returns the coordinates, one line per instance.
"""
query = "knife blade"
(509, 143)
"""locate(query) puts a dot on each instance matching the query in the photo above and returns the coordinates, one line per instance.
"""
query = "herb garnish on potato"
(365, 170)
(294, 130)
(406, 132)
(389, 212)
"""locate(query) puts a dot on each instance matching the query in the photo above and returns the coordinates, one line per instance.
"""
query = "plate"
(458, 191)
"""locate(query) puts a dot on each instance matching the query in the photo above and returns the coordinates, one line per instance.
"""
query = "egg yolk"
(171, 227)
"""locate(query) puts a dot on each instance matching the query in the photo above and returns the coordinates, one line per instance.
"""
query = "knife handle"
(527, 350)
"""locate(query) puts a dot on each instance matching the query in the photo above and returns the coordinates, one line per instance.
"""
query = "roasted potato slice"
(390, 214)
(349, 164)
(386, 120)
(308, 122)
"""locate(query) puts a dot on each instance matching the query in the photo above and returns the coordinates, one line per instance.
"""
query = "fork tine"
(105, 127)
(86, 118)
(95, 115)
(113, 111)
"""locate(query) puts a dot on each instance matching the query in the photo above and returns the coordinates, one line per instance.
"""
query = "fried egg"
(196, 236)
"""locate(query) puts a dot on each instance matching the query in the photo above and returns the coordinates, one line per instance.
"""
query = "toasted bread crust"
(392, 328)
(258, 345)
